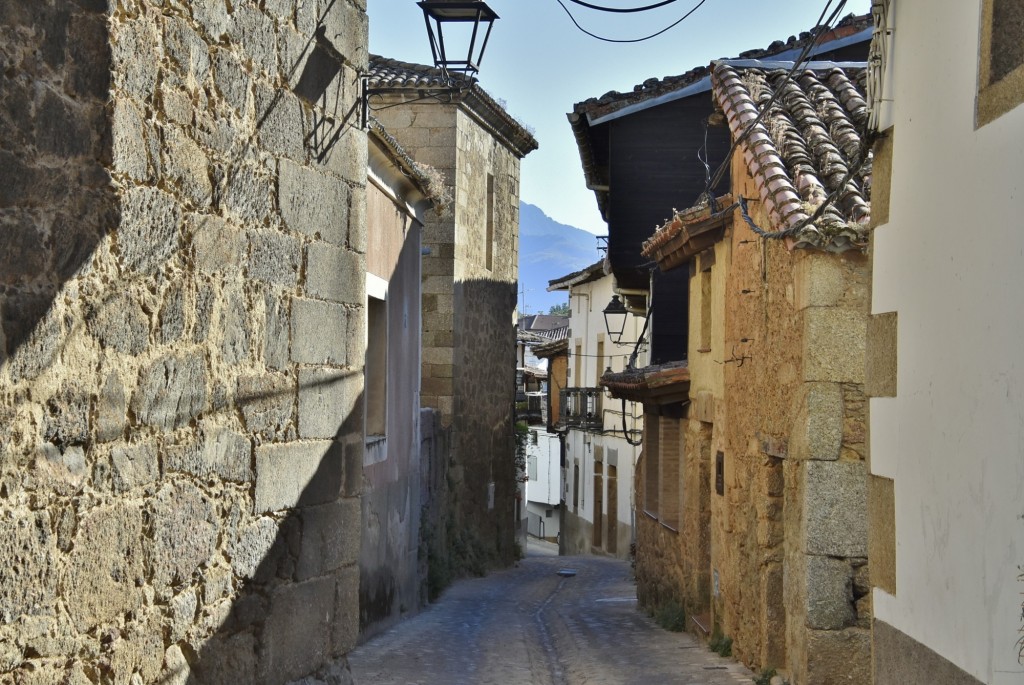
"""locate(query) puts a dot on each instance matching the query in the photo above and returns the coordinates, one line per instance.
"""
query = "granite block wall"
(182, 327)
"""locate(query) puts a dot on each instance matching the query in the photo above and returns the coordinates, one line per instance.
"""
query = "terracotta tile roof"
(543, 336)
(399, 155)
(394, 75)
(663, 383)
(534, 371)
(654, 87)
(803, 147)
(552, 348)
(591, 273)
(541, 323)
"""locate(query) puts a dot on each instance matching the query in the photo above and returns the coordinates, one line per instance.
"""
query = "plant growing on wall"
(521, 436)
(439, 192)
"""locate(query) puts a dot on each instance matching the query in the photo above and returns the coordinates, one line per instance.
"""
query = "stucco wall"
(947, 263)
(183, 324)
(468, 371)
(546, 488)
(390, 573)
(674, 566)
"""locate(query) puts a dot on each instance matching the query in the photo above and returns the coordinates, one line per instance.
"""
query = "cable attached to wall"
(625, 430)
(867, 141)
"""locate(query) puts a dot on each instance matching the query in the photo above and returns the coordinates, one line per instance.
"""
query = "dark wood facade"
(653, 166)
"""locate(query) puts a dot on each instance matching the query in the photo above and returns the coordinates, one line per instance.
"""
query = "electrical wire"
(702, 157)
(599, 356)
(626, 431)
(801, 58)
(622, 9)
(628, 40)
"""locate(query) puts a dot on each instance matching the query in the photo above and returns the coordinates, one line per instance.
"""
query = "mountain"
(548, 250)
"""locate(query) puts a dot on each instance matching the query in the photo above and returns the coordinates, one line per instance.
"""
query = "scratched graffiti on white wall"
(1020, 640)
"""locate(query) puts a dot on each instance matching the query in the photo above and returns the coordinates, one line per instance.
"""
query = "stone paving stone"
(527, 625)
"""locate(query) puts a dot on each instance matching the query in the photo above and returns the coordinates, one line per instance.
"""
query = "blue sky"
(540, 64)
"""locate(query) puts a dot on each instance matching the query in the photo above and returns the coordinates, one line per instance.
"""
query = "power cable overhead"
(601, 8)
(628, 40)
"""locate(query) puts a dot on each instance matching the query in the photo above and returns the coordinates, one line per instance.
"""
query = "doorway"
(598, 503)
(613, 510)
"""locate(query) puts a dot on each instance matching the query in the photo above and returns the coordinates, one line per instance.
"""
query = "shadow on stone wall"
(295, 611)
(56, 199)
(135, 410)
(483, 443)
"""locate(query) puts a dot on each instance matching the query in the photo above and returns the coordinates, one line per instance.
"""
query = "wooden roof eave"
(664, 386)
(693, 239)
(552, 349)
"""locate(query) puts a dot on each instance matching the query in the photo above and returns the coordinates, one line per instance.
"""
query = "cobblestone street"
(528, 625)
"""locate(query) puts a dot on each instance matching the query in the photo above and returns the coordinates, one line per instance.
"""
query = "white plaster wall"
(951, 263)
(586, 323)
(547, 488)
(552, 524)
(577, 448)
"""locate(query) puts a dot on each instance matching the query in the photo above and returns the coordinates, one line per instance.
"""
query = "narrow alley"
(530, 625)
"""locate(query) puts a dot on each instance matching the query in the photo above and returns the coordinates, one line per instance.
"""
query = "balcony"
(581, 408)
(531, 407)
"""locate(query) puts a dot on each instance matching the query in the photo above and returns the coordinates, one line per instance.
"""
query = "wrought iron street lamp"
(615, 319)
(441, 13)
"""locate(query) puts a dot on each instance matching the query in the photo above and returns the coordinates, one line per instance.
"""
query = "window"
(1001, 59)
(600, 361)
(705, 309)
(670, 444)
(597, 529)
(376, 369)
(576, 486)
(663, 451)
(531, 466)
(577, 374)
(651, 464)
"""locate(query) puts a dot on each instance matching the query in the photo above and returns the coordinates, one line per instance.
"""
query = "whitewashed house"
(597, 431)
(946, 491)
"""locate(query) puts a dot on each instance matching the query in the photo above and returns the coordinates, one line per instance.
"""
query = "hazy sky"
(540, 64)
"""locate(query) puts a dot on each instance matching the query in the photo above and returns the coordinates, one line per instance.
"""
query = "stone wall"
(673, 567)
(182, 314)
(389, 569)
(674, 564)
(484, 302)
(437, 532)
(789, 533)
